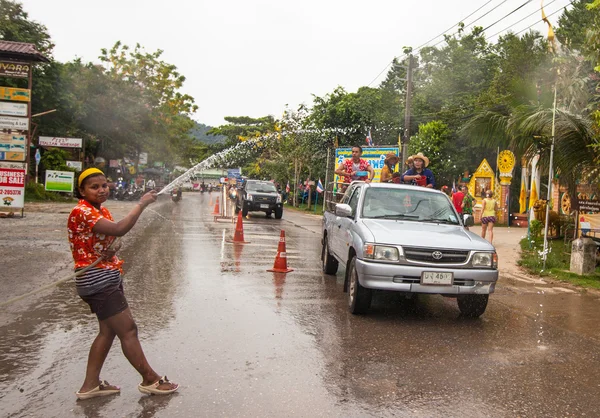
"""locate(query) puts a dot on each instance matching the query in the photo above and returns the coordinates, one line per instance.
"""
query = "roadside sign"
(38, 156)
(13, 109)
(14, 123)
(143, 158)
(49, 141)
(14, 94)
(12, 185)
(59, 181)
(13, 147)
(77, 165)
(14, 69)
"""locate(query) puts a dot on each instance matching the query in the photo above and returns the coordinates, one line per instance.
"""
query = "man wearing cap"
(419, 175)
(389, 164)
(355, 168)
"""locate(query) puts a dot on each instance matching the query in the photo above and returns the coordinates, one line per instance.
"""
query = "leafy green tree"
(241, 128)
(16, 26)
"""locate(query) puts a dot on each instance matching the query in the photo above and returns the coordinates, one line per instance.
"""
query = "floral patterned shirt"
(363, 165)
(86, 245)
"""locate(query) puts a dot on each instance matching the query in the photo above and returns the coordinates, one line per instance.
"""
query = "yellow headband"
(88, 173)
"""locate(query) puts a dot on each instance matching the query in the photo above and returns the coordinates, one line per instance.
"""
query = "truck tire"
(244, 209)
(330, 264)
(359, 298)
(472, 306)
(278, 213)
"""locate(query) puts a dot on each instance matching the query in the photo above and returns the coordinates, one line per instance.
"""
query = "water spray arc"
(217, 159)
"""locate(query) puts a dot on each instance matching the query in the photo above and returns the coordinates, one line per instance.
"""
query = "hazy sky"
(252, 57)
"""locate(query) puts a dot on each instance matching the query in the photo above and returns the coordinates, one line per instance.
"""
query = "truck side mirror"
(343, 210)
(469, 220)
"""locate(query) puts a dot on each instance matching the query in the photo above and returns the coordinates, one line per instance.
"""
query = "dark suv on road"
(256, 195)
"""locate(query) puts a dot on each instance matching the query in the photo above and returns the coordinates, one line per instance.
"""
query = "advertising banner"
(14, 123)
(12, 185)
(13, 147)
(374, 155)
(14, 94)
(143, 158)
(48, 141)
(59, 181)
(13, 109)
(14, 69)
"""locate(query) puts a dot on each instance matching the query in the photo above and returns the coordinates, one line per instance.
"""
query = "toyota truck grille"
(434, 255)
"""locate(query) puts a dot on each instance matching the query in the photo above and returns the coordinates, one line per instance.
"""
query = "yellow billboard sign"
(15, 94)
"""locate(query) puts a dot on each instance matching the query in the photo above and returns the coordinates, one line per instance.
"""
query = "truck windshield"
(261, 187)
(411, 204)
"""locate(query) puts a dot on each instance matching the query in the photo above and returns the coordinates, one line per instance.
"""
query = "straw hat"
(391, 158)
(421, 157)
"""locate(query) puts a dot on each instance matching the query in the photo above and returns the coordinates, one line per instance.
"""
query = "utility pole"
(407, 110)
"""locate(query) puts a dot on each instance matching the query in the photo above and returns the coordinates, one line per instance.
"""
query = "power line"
(519, 21)
(432, 39)
(515, 10)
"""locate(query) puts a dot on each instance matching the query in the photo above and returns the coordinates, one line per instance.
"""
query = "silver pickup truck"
(406, 239)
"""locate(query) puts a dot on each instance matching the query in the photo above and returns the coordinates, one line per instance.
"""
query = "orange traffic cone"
(217, 211)
(238, 236)
(280, 265)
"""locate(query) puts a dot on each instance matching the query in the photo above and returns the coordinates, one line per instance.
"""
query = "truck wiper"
(439, 221)
(393, 216)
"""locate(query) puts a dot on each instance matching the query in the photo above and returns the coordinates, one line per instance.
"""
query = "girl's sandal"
(154, 390)
(99, 390)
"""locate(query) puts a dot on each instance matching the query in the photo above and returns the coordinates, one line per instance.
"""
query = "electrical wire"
(432, 39)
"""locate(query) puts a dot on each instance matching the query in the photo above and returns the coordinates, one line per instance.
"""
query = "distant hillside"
(199, 131)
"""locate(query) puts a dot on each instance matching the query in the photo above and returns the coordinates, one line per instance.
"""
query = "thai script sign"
(589, 206)
(14, 94)
(14, 123)
(48, 141)
(59, 181)
(14, 69)
(13, 109)
(12, 185)
(374, 155)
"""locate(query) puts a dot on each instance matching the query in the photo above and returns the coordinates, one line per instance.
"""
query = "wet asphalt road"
(245, 342)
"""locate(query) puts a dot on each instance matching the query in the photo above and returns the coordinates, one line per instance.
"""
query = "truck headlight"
(381, 252)
(279, 198)
(250, 197)
(489, 260)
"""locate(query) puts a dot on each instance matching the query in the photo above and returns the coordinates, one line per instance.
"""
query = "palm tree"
(527, 130)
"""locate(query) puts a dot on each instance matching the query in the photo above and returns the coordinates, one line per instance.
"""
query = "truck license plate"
(264, 206)
(437, 278)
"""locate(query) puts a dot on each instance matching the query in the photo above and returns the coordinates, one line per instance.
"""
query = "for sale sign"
(12, 185)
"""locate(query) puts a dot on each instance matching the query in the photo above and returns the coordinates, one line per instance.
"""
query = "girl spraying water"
(92, 231)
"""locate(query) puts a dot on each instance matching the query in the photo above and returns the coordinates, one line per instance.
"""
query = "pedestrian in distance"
(92, 231)
(419, 175)
(488, 215)
(355, 168)
(457, 201)
(467, 203)
(389, 165)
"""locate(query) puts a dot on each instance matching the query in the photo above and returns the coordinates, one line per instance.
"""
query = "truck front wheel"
(472, 306)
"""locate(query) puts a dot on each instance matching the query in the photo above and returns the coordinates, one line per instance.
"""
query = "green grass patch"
(304, 208)
(557, 263)
(35, 192)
